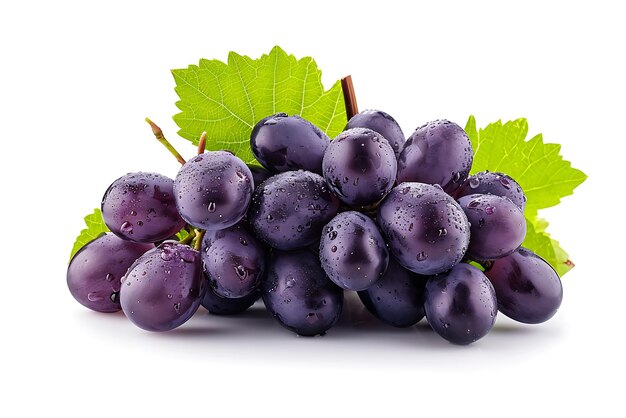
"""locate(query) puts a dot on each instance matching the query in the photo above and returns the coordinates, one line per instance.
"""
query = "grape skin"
(140, 207)
(285, 143)
(380, 122)
(299, 295)
(95, 271)
(233, 261)
(426, 230)
(218, 305)
(460, 304)
(213, 190)
(528, 288)
(487, 182)
(352, 251)
(164, 287)
(397, 298)
(359, 167)
(438, 152)
(290, 209)
(497, 227)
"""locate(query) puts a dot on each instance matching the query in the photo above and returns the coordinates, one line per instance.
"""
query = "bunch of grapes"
(399, 221)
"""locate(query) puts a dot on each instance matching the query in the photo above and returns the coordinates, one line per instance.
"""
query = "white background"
(77, 80)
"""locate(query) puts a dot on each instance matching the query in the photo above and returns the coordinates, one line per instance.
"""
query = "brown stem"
(158, 133)
(349, 97)
(202, 143)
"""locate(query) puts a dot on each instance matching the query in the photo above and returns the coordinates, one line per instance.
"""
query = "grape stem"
(197, 244)
(202, 143)
(349, 97)
(189, 237)
(158, 133)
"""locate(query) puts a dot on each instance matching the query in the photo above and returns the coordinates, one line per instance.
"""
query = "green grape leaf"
(538, 167)
(539, 241)
(227, 99)
(95, 228)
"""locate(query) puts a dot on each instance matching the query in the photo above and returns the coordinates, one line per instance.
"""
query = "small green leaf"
(539, 241)
(538, 167)
(227, 99)
(95, 228)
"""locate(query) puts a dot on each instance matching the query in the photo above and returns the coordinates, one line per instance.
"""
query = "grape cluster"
(399, 221)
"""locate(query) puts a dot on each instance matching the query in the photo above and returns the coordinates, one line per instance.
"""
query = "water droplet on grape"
(109, 277)
(474, 182)
(333, 248)
(490, 210)
(127, 227)
(243, 241)
(177, 307)
(332, 235)
(211, 207)
(94, 297)
(421, 256)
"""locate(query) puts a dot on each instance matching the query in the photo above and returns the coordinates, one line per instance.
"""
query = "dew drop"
(211, 207)
(474, 182)
(94, 297)
(421, 256)
(333, 248)
(109, 277)
(127, 228)
(177, 307)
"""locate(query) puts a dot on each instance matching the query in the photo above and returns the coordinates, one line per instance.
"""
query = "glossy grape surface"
(164, 287)
(218, 305)
(299, 295)
(426, 229)
(499, 184)
(359, 167)
(259, 174)
(527, 287)
(398, 298)
(460, 304)
(233, 261)
(213, 190)
(352, 251)
(438, 152)
(497, 227)
(140, 207)
(381, 122)
(95, 271)
(290, 209)
(285, 143)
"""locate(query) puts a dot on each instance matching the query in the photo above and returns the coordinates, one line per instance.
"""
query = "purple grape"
(298, 293)
(286, 143)
(140, 207)
(352, 251)
(499, 184)
(213, 190)
(359, 167)
(290, 209)
(381, 122)
(233, 261)
(426, 229)
(95, 271)
(164, 287)
(460, 304)
(398, 298)
(259, 174)
(218, 305)
(438, 152)
(527, 287)
(497, 226)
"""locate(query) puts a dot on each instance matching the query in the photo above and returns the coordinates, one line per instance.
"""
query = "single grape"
(95, 271)
(299, 295)
(290, 209)
(233, 261)
(499, 184)
(164, 287)
(140, 207)
(460, 304)
(497, 226)
(213, 190)
(527, 287)
(426, 229)
(218, 305)
(285, 143)
(359, 167)
(259, 174)
(352, 251)
(381, 122)
(397, 298)
(438, 152)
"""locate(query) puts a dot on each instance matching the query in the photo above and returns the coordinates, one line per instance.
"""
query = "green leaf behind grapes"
(538, 167)
(227, 99)
(95, 228)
